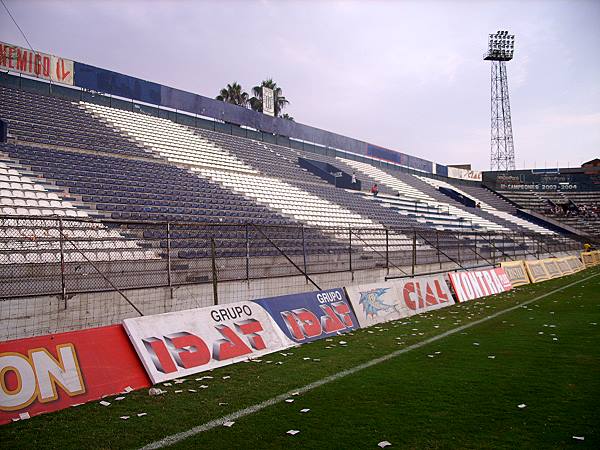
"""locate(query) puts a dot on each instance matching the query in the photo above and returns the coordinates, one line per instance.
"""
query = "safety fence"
(63, 256)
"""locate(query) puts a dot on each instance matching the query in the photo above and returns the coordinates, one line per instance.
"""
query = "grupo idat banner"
(310, 316)
(52, 372)
(473, 284)
(182, 343)
(36, 64)
(382, 302)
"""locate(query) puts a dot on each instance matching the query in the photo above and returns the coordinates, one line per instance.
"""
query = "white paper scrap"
(142, 414)
(522, 405)
(203, 386)
(306, 359)
(295, 393)
(226, 377)
(384, 444)
(292, 432)
(128, 389)
(289, 400)
(228, 424)
(124, 417)
(119, 399)
(178, 391)
(192, 390)
(24, 416)
(105, 403)
(579, 438)
(305, 410)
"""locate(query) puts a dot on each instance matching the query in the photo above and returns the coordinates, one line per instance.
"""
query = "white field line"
(177, 437)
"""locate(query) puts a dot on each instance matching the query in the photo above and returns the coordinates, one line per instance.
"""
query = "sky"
(405, 75)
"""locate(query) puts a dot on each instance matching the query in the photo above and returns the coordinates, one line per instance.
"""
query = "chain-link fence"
(51, 256)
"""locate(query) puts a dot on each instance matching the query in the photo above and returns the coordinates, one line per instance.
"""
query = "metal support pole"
(414, 252)
(213, 252)
(169, 255)
(387, 250)
(247, 254)
(458, 248)
(493, 251)
(437, 247)
(62, 263)
(476, 251)
(303, 247)
(350, 247)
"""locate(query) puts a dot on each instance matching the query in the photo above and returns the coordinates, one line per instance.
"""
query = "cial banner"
(472, 284)
(310, 316)
(268, 101)
(48, 373)
(182, 343)
(537, 271)
(382, 302)
(36, 64)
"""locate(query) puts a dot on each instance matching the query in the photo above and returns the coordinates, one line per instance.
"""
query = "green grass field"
(460, 391)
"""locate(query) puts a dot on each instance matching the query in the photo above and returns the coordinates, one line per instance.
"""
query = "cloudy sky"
(407, 75)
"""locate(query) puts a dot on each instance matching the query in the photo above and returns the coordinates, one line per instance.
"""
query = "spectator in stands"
(353, 178)
(478, 205)
(587, 247)
(375, 190)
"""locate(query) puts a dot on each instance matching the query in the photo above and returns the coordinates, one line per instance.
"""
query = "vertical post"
(247, 254)
(414, 252)
(493, 249)
(169, 255)
(387, 250)
(476, 250)
(350, 247)
(437, 247)
(63, 284)
(458, 248)
(303, 248)
(213, 252)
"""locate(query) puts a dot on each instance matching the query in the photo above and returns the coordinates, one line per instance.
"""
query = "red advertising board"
(52, 372)
(473, 284)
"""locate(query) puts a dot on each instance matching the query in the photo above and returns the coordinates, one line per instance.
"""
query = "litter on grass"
(292, 432)
(105, 403)
(228, 424)
(305, 410)
(522, 405)
(384, 444)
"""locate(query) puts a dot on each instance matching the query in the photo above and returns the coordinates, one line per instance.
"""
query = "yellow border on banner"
(589, 258)
(520, 281)
(530, 265)
(566, 268)
(549, 263)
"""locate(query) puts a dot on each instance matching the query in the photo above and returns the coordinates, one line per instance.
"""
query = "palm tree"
(234, 94)
(280, 101)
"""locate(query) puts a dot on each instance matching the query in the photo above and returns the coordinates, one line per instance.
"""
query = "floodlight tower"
(501, 47)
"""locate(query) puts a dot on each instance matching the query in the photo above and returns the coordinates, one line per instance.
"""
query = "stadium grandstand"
(101, 191)
(165, 255)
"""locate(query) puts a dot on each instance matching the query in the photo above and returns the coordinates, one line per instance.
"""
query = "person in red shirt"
(375, 190)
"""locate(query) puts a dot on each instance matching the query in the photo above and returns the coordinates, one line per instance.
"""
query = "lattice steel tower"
(500, 49)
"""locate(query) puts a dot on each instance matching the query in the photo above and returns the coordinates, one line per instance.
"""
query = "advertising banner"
(537, 271)
(36, 64)
(591, 259)
(183, 343)
(310, 316)
(575, 263)
(268, 101)
(463, 174)
(52, 372)
(382, 302)
(472, 284)
(552, 268)
(563, 265)
(516, 272)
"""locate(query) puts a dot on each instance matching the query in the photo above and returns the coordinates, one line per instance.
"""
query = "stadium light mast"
(501, 47)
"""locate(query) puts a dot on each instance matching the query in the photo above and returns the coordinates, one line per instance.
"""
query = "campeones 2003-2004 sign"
(310, 316)
(382, 302)
(183, 343)
(52, 372)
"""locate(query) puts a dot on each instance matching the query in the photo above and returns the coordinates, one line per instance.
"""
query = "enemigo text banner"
(182, 343)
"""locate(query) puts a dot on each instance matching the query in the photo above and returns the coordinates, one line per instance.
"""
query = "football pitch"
(517, 370)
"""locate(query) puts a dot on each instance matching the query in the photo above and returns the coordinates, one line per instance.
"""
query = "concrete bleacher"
(98, 162)
(542, 201)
